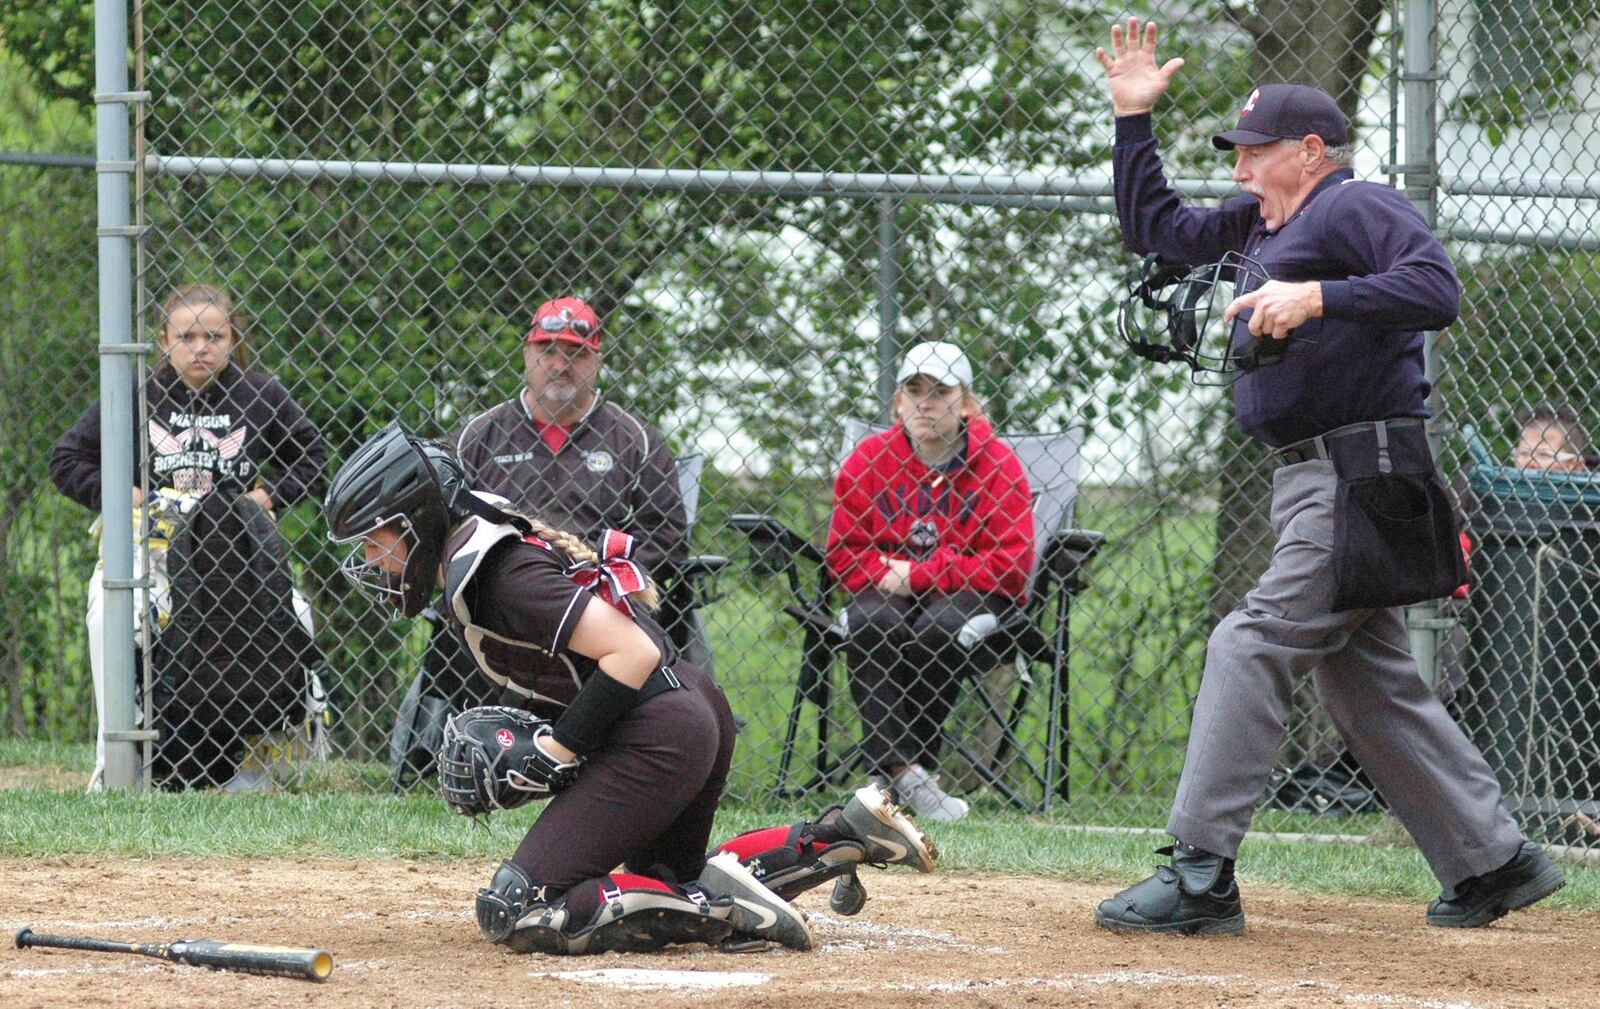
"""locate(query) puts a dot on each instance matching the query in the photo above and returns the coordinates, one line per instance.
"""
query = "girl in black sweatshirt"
(212, 427)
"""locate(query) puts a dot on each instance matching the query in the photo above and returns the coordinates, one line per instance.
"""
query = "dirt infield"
(401, 935)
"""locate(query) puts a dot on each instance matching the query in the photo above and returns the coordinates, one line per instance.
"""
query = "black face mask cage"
(1174, 313)
(1146, 311)
(372, 581)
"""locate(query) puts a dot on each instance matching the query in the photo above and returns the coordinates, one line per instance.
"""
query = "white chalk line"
(192, 921)
(640, 979)
(153, 921)
(859, 935)
(89, 968)
(411, 915)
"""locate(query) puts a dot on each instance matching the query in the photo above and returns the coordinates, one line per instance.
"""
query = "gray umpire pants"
(1433, 779)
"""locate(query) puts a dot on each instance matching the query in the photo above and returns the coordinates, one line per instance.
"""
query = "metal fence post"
(1425, 621)
(115, 168)
(888, 303)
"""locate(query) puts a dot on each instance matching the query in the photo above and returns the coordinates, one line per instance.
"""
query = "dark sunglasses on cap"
(557, 324)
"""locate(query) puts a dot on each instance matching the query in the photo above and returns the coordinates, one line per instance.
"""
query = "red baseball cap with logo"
(566, 319)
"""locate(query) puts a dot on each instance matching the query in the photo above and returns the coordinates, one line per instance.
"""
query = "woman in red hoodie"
(932, 526)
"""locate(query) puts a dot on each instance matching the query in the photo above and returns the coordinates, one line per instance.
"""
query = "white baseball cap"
(942, 362)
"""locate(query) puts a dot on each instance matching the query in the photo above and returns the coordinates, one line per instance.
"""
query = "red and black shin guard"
(791, 860)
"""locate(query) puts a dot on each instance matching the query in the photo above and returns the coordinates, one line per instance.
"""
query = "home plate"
(622, 977)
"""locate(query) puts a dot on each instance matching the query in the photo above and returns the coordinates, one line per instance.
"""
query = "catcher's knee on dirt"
(622, 912)
(509, 896)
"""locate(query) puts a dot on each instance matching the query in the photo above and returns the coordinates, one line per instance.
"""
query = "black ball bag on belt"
(1396, 541)
(233, 658)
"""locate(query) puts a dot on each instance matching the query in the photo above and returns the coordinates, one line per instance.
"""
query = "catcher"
(630, 744)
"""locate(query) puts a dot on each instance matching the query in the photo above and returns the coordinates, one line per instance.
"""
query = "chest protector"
(234, 652)
(525, 668)
(530, 670)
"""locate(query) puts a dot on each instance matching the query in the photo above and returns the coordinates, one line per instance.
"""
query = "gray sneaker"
(889, 835)
(920, 790)
(756, 911)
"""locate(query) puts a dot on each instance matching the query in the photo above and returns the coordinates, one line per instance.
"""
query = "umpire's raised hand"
(1135, 79)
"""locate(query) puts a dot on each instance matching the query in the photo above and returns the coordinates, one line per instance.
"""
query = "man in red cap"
(562, 362)
(560, 451)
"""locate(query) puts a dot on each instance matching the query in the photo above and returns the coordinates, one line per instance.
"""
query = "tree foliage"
(47, 376)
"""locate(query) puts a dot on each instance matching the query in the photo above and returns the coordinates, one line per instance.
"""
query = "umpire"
(1362, 523)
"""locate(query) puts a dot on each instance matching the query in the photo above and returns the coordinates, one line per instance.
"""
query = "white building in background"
(1519, 100)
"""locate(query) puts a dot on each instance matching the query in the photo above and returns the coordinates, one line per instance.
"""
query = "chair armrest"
(756, 525)
(1068, 551)
(832, 626)
(773, 545)
(691, 583)
(701, 565)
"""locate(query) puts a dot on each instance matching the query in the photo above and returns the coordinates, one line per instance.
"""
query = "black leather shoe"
(1195, 895)
(1528, 877)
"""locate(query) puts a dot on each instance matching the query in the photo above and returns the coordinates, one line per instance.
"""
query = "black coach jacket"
(614, 472)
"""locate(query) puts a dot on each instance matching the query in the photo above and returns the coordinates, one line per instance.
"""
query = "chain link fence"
(1517, 108)
(767, 205)
(47, 360)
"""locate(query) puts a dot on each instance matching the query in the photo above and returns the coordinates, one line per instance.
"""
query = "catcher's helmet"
(1171, 313)
(412, 484)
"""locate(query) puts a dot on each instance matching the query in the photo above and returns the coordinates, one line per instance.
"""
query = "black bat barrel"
(277, 961)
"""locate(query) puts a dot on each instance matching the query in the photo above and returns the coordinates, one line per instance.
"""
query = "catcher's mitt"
(489, 760)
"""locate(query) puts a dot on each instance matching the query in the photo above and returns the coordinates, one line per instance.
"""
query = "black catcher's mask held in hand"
(1174, 313)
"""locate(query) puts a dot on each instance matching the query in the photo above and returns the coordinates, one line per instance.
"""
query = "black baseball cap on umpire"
(1286, 112)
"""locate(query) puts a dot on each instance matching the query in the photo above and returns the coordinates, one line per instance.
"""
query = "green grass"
(31, 753)
(37, 823)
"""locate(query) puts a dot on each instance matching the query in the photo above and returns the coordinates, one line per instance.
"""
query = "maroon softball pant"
(646, 799)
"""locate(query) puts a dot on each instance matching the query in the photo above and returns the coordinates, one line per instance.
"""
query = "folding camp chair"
(686, 588)
(449, 680)
(1050, 462)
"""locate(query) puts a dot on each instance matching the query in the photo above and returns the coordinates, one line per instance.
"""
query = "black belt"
(1318, 447)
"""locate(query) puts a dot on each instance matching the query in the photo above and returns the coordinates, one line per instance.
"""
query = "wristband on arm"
(601, 701)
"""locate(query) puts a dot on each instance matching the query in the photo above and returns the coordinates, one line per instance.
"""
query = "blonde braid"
(578, 550)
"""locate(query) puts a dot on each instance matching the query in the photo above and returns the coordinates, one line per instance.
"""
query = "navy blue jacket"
(1385, 279)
